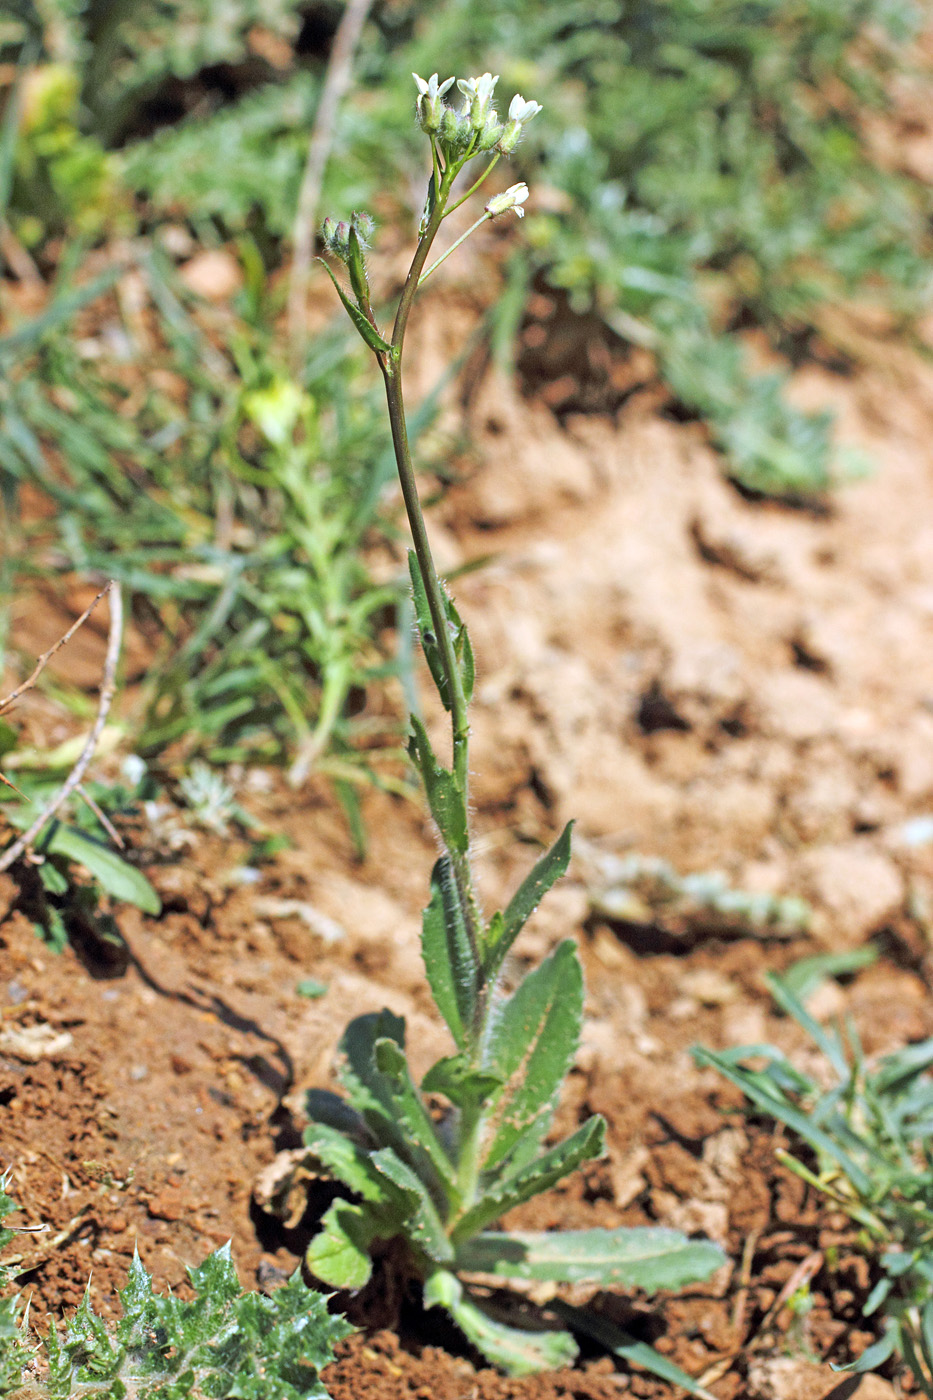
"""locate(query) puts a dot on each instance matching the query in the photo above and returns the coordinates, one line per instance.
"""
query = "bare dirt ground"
(729, 684)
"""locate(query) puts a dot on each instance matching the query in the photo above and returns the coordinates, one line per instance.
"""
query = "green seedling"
(438, 1164)
(223, 1343)
(869, 1130)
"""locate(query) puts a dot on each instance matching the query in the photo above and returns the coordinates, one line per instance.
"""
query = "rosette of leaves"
(441, 1180)
(223, 1343)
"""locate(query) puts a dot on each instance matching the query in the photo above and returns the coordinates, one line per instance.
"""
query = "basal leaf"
(446, 801)
(368, 1090)
(587, 1142)
(449, 958)
(423, 1226)
(517, 1351)
(533, 1040)
(421, 1135)
(529, 895)
(348, 1162)
(339, 1253)
(650, 1258)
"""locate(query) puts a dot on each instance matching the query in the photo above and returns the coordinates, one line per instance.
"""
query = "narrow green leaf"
(517, 1351)
(587, 1142)
(422, 1224)
(348, 1162)
(533, 1039)
(795, 1119)
(875, 1355)
(365, 327)
(529, 895)
(650, 1258)
(115, 876)
(413, 1114)
(628, 1348)
(445, 799)
(370, 1092)
(449, 959)
(805, 975)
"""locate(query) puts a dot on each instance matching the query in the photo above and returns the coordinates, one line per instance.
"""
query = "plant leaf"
(533, 1039)
(773, 1103)
(628, 1348)
(363, 324)
(370, 1092)
(458, 1081)
(517, 1351)
(432, 652)
(339, 1253)
(587, 1142)
(421, 1134)
(449, 959)
(422, 1225)
(650, 1258)
(445, 799)
(115, 876)
(529, 895)
(349, 1163)
(875, 1355)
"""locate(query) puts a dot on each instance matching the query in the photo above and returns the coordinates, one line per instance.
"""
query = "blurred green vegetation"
(700, 169)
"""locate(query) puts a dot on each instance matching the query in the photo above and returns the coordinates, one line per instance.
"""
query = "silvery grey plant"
(441, 1178)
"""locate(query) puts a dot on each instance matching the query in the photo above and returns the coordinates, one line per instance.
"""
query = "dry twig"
(107, 690)
(336, 83)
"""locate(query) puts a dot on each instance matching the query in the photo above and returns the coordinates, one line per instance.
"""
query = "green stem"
(391, 365)
(453, 247)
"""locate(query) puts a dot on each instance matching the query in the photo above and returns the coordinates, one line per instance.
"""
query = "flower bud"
(512, 198)
(428, 103)
(455, 133)
(491, 133)
(336, 237)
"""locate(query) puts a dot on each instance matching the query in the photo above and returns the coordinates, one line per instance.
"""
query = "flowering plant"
(437, 1164)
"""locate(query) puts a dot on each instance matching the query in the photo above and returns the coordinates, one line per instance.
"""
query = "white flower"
(429, 100)
(522, 111)
(513, 198)
(478, 93)
(430, 89)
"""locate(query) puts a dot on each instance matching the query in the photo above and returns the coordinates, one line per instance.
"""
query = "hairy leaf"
(455, 1078)
(517, 1351)
(365, 327)
(552, 1166)
(449, 957)
(424, 1145)
(445, 799)
(423, 1225)
(339, 1253)
(224, 1343)
(650, 1258)
(463, 651)
(533, 1040)
(369, 1091)
(529, 895)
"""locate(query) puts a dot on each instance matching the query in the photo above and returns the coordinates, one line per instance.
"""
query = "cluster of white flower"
(474, 126)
